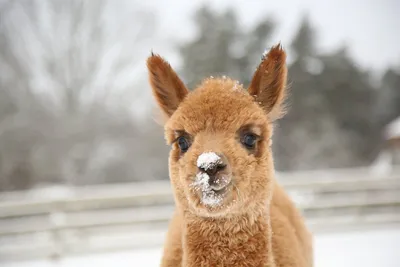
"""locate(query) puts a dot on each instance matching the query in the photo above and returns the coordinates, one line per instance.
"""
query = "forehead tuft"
(224, 83)
(218, 103)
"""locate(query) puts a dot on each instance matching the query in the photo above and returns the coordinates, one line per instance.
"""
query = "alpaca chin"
(212, 199)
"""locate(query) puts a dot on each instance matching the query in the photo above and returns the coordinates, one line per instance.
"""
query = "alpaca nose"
(211, 163)
(212, 170)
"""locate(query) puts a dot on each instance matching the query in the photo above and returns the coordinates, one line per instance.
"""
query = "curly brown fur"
(230, 211)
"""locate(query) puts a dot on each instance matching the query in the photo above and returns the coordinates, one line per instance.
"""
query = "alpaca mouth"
(220, 189)
(212, 191)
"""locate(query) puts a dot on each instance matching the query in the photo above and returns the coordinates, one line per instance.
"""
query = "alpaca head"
(220, 134)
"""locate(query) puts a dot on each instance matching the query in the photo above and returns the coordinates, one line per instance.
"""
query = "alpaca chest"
(209, 247)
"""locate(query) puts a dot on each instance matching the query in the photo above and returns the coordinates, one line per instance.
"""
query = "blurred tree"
(71, 46)
(388, 106)
(59, 61)
(351, 100)
(330, 110)
(304, 41)
(303, 138)
(222, 47)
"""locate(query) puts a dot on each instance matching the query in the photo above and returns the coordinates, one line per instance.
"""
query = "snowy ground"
(369, 248)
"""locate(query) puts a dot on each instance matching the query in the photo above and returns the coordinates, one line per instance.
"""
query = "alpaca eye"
(183, 144)
(249, 140)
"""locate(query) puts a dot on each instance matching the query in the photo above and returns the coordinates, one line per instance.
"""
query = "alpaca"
(230, 210)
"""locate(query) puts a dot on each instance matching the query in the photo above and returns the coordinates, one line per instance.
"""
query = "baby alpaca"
(230, 210)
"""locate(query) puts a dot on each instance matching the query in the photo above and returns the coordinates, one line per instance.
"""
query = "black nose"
(212, 169)
(211, 163)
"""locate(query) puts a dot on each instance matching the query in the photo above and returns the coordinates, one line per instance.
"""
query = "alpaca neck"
(239, 241)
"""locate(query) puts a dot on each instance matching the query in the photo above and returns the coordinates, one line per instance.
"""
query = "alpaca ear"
(268, 85)
(167, 88)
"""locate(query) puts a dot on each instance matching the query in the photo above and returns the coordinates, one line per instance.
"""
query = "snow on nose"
(208, 160)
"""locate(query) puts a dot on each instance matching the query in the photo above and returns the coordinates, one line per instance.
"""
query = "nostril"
(220, 167)
(201, 169)
(211, 170)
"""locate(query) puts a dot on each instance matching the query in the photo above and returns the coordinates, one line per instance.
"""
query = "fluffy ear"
(268, 85)
(167, 88)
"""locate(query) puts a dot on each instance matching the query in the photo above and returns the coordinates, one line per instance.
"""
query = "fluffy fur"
(255, 223)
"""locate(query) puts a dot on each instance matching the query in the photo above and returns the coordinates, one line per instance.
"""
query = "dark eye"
(183, 144)
(249, 140)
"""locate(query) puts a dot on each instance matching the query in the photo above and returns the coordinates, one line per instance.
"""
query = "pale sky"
(370, 28)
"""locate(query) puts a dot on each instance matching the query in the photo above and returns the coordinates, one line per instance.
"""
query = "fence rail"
(112, 217)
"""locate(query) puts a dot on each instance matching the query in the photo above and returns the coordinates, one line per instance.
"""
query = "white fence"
(128, 216)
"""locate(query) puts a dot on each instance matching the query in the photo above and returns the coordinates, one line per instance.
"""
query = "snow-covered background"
(369, 248)
(78, 130)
